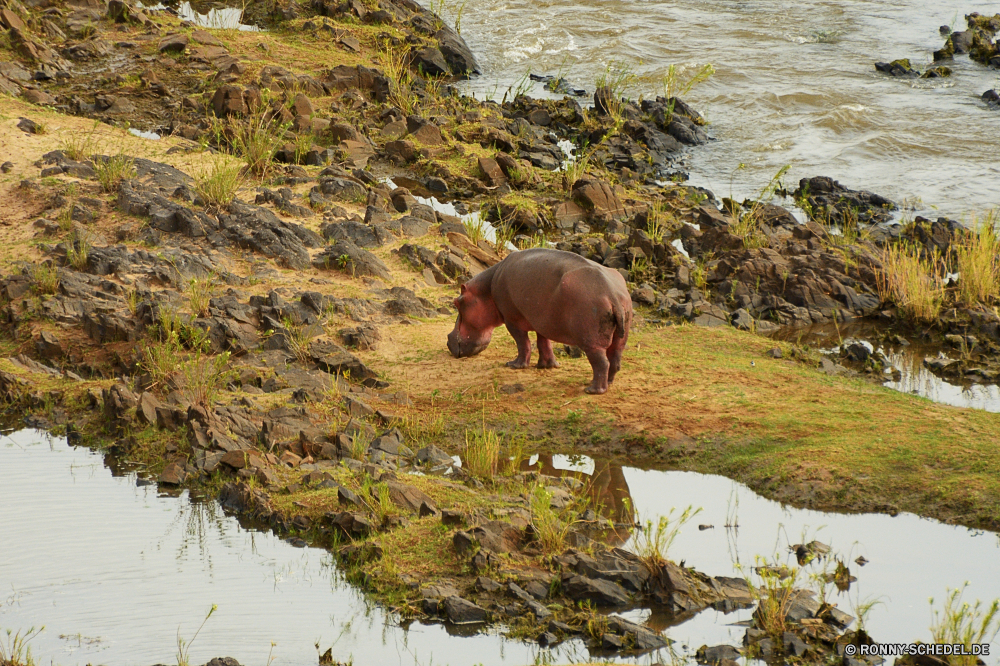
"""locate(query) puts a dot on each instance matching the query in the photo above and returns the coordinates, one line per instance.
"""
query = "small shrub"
(111, 171)
(504, 236)
(160, 358)
(748, 222)
(528, 242)
(183, 647)
(617, 78)
(132, 300)
(360, 441)
(255, 139)
(656, 223)
(395, 64)
(773, 596)
(219, 187)
(676, 84)
(298, 341)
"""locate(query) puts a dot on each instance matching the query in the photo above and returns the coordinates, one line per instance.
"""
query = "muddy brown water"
(794, 84)
(115, 570)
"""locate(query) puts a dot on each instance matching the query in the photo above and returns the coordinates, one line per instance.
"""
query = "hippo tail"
(623, 320)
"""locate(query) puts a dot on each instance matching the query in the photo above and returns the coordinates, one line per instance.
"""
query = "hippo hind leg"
(546, 357)
(523, 348)
(615, 356)
(599, 362)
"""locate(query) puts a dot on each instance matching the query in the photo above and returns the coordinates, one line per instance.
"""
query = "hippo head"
(477, 317)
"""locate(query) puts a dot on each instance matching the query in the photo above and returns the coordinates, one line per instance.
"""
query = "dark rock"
(29, 126)
(462, 611)
(716, 654)
(431, 62)
(347, 256)
(599, 592)
(900, 68)
(463, 542)
(484, 584)
(599, 198)
(793, 645)
(401, 151)
(830, 201)
(456, 52)
(452, 517)
(176, 42)
(223, 661)
(173, 475)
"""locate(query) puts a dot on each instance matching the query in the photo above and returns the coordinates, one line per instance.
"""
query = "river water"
(794, 84)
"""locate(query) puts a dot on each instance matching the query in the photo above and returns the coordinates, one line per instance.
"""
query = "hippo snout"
(453, 345)
(461, 348)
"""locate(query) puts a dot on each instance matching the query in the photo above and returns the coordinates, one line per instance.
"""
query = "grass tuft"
(551, 527)
(219, 187)
(46, 278)
(183, 647)
(653, 542)
(965, 623)
(15, 651)
(77, 254)
(487, 458)
(978, 263)
(79, 146)
(914, 283)
(255, 139)
(475, 228)
(111, 171)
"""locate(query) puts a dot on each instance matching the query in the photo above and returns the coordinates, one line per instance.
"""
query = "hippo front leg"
(546, 357)
(599, 362)
(523, 348)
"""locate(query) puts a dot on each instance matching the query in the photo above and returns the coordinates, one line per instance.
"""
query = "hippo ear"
(464, 289)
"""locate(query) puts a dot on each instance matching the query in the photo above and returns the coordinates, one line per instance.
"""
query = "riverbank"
(288, 354)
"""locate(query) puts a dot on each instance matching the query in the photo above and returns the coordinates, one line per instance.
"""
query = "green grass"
(689, 397)
(219, 186)
(113, 170)
(14, 649)
(966, 623)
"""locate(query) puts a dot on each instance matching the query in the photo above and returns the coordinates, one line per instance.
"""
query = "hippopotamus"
(561, 296)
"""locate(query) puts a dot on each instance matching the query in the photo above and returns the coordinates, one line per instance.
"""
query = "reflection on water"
(115, 571)
(913, 376)
(917, 379)
(219, 18)
(794, 84)
(910, 559)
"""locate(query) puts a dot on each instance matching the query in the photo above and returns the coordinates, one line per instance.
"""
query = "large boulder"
(598, 198)
(347, 256)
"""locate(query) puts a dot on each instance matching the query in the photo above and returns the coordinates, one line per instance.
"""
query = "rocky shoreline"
(219, 343)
